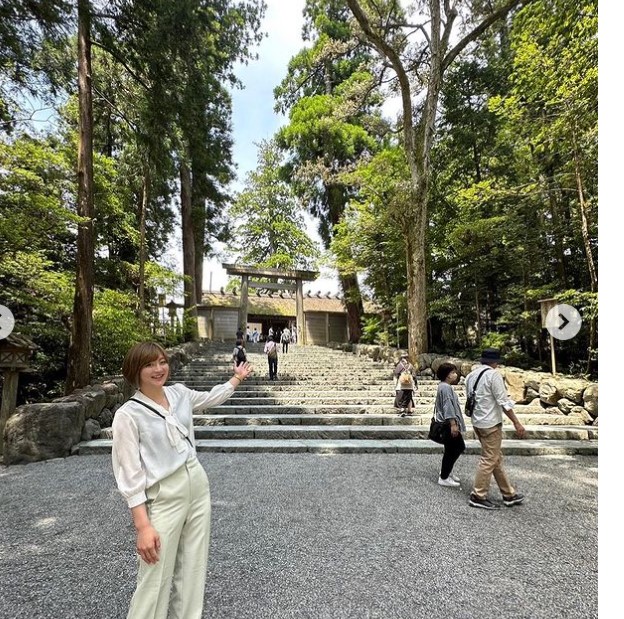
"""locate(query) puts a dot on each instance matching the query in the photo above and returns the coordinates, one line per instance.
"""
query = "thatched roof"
(279, 304)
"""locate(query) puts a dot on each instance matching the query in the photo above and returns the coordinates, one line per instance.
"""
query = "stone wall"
(561, 394)
(50, 430)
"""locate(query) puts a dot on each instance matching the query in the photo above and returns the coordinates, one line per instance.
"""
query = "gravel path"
(319, 537)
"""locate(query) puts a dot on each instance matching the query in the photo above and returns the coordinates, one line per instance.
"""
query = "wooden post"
(244, 304)
(398, 332)
(300, 315)
(9, 400)
(545, 306)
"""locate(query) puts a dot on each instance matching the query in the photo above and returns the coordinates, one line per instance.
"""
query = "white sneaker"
(455, 477)
(448, 482)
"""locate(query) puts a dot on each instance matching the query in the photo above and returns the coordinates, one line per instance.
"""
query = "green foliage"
(367, 239)
(35, 183)
(24, 28)
(270, 229)
(505, 217)
(116, 327)
(512, 197)
(334, 120)
(40, 298)
(501, 341)
(374, 331)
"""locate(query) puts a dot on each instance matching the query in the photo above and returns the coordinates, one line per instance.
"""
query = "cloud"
(253, 115)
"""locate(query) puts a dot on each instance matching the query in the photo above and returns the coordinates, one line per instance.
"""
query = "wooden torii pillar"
(298, 277)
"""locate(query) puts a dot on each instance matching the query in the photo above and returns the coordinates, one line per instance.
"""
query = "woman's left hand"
(243, 370)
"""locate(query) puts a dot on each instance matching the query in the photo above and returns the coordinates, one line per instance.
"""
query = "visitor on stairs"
(285, 339)
(239, 354)
(447, 410)
(491, 400)
(270, 350)
(157, 471)
(404, 374)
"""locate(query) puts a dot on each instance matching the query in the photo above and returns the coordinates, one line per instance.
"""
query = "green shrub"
(116, 327)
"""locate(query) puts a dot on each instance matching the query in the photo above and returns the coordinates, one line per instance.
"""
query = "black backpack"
(241, 357)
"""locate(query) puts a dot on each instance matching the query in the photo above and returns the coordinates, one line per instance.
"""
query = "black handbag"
(437, 430)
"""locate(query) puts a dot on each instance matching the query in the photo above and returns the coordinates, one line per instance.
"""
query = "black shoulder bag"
(471, 398)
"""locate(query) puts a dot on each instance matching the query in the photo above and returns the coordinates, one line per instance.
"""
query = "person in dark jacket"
(270, 350)
(447, 410)
(239, 354)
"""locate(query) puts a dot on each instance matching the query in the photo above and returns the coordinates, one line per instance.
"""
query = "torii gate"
(298, 276)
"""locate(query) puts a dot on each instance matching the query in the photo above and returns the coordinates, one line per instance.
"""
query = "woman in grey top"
(448, 411)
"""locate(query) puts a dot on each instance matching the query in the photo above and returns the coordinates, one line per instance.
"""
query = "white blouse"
(148, 448)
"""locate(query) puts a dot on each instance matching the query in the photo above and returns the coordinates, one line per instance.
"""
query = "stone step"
(322, 366)
(321, 393)
(266, 385)
(523, 411)
(302, 383)
(324, 389)
(335, 382)
(373, 420)
(271, 400)
(510, 447)
(329, 402)
(386, 432)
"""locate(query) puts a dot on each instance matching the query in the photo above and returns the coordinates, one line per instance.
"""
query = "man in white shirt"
(285, 339)
(491, 401)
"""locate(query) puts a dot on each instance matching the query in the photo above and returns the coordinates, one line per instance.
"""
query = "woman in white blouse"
(157, 472)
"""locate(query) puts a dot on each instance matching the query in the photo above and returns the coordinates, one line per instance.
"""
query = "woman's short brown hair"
(138, 357)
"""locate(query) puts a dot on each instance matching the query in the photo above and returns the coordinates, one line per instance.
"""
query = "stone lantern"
(172, 309)
(15, 353)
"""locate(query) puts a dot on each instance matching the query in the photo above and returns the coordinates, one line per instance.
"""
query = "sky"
(254, 118)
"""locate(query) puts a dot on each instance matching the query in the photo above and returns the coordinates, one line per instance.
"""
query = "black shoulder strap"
(474, 389)
(159, 414)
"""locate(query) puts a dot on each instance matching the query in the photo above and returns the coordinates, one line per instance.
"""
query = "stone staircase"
(328, 401)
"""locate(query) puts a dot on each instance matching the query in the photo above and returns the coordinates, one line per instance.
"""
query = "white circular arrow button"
(563, 322)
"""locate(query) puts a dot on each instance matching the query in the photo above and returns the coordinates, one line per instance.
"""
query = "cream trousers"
(491, 462)
(179, 509)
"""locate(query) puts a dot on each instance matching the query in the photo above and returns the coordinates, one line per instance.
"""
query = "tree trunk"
(417, 143)
(546, 181)
(199, 227)
(336, 201)
(188, 254)
(79, 354)
(416, 282)
(353, 304)
(142, 248)
(478, 314)
(591, 266)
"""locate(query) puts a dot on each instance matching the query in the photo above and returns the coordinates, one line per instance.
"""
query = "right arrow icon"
(563, 322)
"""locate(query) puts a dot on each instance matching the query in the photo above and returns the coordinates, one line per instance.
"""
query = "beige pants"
(179, 509)
(491, 462)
